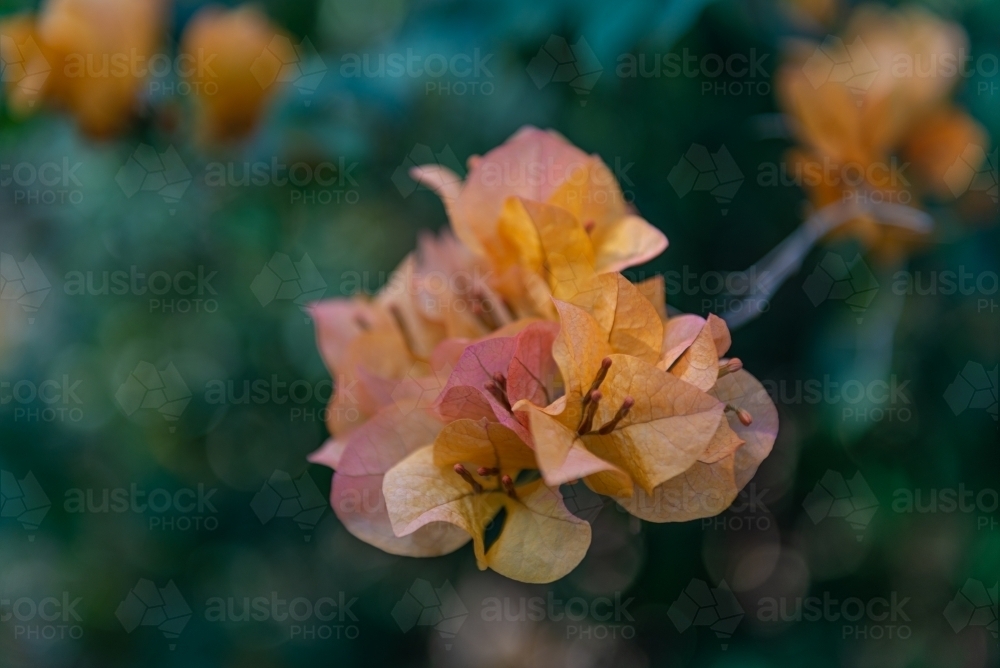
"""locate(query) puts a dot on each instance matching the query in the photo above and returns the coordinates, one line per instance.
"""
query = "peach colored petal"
(356, 494)
(699, 364)
(446, 183)
(562, 456)
(532, 164)
(678, 335)
(704, 490)
(482, 443)
(742, 390)
(628, 242)
(655, 291)
(723, 444)
(632, 324)
(329, 453)
(540, 540)
(669, 427)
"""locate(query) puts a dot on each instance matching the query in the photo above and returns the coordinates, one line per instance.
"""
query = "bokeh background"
(138, 392)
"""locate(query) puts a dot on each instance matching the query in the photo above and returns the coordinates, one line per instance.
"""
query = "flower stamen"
(467, 477)
(508, 486)
(730, 366)
(602, 373)
(498, 389)
(589, 409)
(619, 416)
(742, 415)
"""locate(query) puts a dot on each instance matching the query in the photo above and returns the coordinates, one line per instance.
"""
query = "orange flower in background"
(27, 69)
(232, 82)
(90, 57)
(499, 365)
(865, 106)
(811, 12)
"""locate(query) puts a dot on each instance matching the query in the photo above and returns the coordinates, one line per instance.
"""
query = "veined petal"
(356, 494)
(540, 540)
(669, 426)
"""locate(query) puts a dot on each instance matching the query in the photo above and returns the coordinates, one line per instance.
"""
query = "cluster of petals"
(511, 359)
(873, 115)
(95, 59)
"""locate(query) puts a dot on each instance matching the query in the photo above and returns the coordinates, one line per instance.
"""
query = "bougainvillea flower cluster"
(875, 121)
(508, 358)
